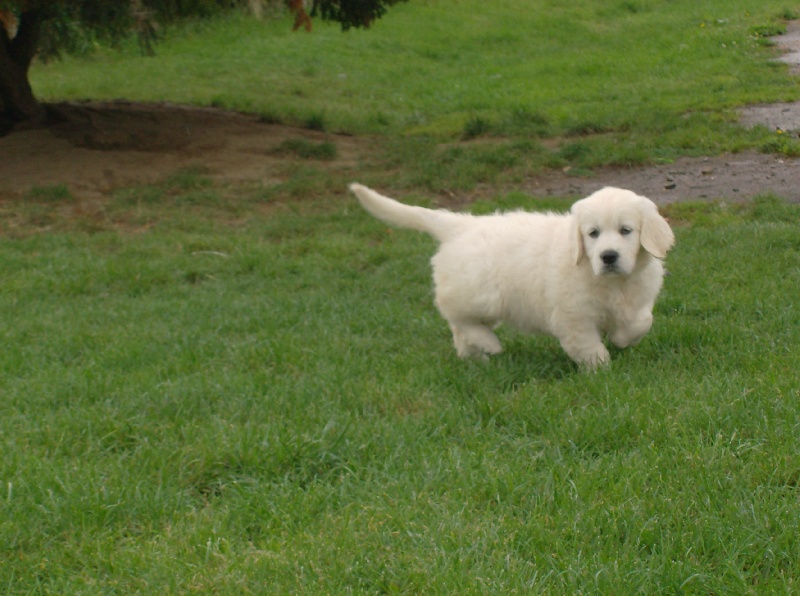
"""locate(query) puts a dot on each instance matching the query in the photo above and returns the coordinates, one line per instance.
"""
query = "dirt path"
(727, 177)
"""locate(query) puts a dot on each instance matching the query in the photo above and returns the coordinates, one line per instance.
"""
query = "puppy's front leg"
(586, 348)
(474, 340)
(630, 332)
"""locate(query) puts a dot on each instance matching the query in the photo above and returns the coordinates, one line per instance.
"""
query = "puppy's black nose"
(609, 257)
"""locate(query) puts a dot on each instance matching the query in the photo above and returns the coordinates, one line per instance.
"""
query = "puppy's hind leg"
(473, 340)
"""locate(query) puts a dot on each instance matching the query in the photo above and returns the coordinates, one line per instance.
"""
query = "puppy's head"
(611, 226)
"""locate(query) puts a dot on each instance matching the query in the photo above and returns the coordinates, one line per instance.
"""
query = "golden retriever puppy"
(593, 272)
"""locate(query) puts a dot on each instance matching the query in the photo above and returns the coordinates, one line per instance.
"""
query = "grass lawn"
(230, 402)
(209, 393)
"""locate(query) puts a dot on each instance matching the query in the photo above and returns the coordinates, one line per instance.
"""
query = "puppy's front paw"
(599, 358)
(587, 351)
(634, 331)
(475, 341)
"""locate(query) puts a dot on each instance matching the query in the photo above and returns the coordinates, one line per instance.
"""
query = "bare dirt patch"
(726, 177)
(95, 148)
(789, 45)
(780, 116)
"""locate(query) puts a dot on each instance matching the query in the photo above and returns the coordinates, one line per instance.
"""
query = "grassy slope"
(197, 397)
(431, 66)
(548, 84)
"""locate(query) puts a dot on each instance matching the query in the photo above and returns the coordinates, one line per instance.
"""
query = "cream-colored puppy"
(579, 276)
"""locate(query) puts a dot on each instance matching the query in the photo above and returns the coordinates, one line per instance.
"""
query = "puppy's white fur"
(579, 276)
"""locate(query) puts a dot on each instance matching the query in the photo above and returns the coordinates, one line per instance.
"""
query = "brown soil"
(95, 148)
(727, 177)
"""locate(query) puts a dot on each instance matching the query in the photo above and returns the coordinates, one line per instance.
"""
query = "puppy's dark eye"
(625, 230)
(594, 233)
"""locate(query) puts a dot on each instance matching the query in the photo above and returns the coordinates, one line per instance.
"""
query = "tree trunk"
(17, 102)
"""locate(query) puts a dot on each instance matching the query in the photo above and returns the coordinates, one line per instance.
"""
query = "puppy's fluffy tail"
(439, 223)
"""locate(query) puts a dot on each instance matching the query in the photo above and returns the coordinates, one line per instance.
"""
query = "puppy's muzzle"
(610, 260)
(609, 257)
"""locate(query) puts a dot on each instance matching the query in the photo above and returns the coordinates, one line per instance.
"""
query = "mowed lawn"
(209, 391)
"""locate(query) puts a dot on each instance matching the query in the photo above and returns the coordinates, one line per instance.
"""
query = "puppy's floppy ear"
(656, 237)
(578, 249)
